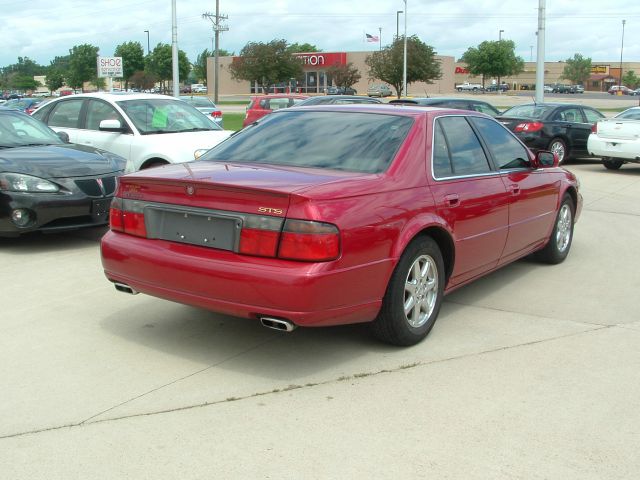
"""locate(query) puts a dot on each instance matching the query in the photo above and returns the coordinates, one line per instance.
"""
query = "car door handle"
(514, 188)
(452, 200)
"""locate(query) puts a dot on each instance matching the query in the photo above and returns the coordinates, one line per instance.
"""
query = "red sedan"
(265, 104)
(341, 214)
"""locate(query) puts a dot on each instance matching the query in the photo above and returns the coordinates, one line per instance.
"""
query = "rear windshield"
(527, 111)
(349, 141)
(632, 113)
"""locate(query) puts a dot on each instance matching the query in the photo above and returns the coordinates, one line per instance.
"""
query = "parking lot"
(531, 372)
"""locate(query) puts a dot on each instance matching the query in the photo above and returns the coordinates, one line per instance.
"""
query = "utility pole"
(380, 37)
(217, 28)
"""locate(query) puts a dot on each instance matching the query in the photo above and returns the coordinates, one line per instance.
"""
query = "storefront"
(314, 79)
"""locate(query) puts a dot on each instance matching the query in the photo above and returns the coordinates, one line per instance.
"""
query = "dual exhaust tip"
(273, 323)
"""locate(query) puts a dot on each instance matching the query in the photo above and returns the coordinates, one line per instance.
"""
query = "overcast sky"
(42, 29)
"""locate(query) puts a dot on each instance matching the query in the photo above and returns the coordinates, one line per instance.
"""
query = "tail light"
(29, 111)
(309, 241)
(127, 216)
(216, 114)
(529, 127)
(594, 128)
(263, 236)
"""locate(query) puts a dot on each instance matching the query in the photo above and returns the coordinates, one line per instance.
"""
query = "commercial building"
(315, 78)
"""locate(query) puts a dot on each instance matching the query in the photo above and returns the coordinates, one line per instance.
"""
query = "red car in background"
(330, 215)
(265, 104)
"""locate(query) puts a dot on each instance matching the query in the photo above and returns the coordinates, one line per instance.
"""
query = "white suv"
(146, 129)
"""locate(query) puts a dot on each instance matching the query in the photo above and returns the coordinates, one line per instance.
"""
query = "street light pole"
(148, 44)
(500, 44)
(398, 23)
(621, 48)
(404, 62)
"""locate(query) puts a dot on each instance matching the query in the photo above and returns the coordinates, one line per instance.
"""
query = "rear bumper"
(628, 150)
(306, 294)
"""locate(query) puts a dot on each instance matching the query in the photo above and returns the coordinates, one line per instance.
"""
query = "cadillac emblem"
(190, 190)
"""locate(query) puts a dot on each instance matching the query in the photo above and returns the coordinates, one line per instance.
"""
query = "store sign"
(600, 69)
(462, 70)
(110, 67)
(322, 59)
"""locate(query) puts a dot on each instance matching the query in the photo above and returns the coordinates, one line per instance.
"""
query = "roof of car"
(407, 110)
(280, 95)
(115, 96)
(343, 98)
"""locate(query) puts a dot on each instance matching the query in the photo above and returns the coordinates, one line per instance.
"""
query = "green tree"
(630, 79)
(388, 64)
(344, 75)
(143, 80)
(266, 63)
(132, 55)
(25, 66)
(160, 63)
(577, 69)
(55, 80)
(302, 48)
(493, 59)
(200, 65)
(83, 65)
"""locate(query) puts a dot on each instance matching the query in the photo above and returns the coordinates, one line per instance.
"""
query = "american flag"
(372, 38)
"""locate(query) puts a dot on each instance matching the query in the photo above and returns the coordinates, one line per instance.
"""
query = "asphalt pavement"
(530, 373)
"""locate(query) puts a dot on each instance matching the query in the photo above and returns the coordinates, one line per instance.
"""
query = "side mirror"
(111, 126)
(546, 159)
(64, 136)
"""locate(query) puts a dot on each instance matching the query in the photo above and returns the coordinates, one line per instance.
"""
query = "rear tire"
(412, 301)
(612, 163)
(557, 146)
(557, 249)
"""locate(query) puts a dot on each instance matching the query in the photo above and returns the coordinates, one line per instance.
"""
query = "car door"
(469, 196)
(575, 126)
(533, 195)
(64, 116)
(91, 135)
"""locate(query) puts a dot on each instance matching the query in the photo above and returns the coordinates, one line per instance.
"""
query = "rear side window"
(65, 114)
(484, 108)
(349, 141)
(592, 115)
(462, 145)
(507, 152)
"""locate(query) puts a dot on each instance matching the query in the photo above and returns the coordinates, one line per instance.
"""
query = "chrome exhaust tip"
(278, 324)
(121, 287)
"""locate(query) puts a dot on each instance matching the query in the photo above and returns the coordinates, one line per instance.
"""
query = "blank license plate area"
(193, 228)
(100, 207)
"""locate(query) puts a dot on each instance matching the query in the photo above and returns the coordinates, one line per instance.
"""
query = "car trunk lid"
(619, 129)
